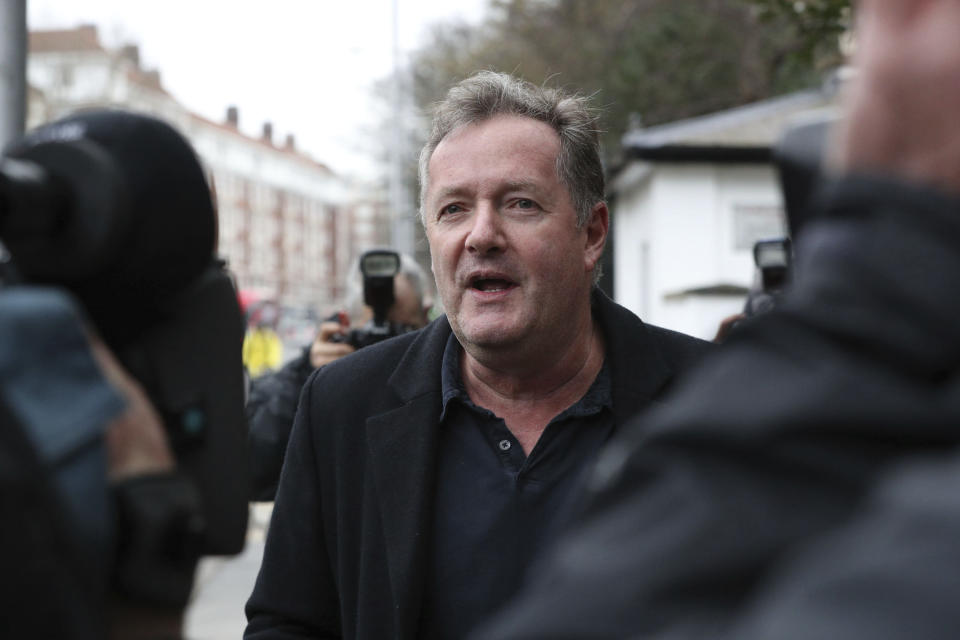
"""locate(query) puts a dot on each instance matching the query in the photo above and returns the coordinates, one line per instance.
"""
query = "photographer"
(805, 482)
(273, 397)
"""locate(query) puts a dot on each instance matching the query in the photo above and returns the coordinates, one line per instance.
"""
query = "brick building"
(290, 227)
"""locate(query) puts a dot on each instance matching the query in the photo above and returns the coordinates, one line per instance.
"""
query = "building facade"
(289, 226)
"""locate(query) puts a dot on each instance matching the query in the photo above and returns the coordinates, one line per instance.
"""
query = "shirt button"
(505, 445)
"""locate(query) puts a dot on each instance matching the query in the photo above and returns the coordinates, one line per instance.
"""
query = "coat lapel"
(403, 452)
(638, 367)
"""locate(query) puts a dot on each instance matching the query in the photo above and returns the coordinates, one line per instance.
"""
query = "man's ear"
(598, 224)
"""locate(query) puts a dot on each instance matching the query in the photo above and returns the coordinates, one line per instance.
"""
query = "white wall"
(74, 77)
(675, 230)
(698, 315)
(630, 225)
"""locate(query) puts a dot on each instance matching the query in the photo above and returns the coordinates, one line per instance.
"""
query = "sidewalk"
(223, 585)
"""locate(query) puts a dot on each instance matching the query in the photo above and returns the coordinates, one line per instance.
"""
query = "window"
(753, 222)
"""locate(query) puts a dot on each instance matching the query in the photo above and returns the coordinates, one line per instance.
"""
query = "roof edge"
(703, 153)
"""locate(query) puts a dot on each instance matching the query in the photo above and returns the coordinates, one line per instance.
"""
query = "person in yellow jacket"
(262, 348)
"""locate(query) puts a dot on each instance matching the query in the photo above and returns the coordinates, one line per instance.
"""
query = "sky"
(307, 66)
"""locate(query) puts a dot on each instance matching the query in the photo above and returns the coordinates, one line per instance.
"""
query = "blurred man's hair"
(487, 94)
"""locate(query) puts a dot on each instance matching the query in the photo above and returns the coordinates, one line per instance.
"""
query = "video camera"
(113, 207)
(798, 159)
(379, 267)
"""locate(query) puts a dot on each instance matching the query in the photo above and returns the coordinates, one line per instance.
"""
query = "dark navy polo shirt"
(496, 509)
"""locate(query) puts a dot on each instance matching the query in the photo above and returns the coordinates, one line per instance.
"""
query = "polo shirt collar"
(599, 396)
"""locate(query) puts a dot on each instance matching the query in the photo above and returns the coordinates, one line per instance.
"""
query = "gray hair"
(487, 94)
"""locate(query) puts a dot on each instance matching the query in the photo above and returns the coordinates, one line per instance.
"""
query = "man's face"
(509, 260)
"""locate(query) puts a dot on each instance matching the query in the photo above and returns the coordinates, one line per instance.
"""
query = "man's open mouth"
(491, 285)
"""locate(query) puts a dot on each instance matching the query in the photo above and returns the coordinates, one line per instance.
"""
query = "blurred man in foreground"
(805, 483)
(426, 472)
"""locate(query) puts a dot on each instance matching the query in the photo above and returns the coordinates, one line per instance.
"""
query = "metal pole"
(13, 69)
(402, 227)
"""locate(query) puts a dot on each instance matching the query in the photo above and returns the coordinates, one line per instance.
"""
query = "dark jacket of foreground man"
(803, 483)
(348, 542)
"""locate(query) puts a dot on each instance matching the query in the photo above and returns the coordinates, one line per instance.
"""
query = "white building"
(286, 221)
(279, 213)
(689, 204)
(74, 71)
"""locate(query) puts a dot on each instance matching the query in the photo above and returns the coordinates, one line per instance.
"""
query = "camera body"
(379, 267)
(370, 333)
(772, 259)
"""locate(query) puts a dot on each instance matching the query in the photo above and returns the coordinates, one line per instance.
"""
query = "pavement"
(222, 585)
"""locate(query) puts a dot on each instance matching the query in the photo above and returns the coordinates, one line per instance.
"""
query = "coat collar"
(418, 371)
(638, 365)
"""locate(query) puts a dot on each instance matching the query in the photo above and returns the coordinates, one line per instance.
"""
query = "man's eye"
(524, 203)
(451, 208)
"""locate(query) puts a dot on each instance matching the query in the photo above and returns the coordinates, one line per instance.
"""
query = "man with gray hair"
(426, 473)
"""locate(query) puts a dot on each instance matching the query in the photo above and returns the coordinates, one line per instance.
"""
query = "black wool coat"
(349, 539)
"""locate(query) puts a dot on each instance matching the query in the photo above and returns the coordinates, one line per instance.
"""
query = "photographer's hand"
(901, 118)
(136, 440)
(323, 351)
(726, 326)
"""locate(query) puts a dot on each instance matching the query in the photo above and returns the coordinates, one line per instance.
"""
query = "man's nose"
(486, 234)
